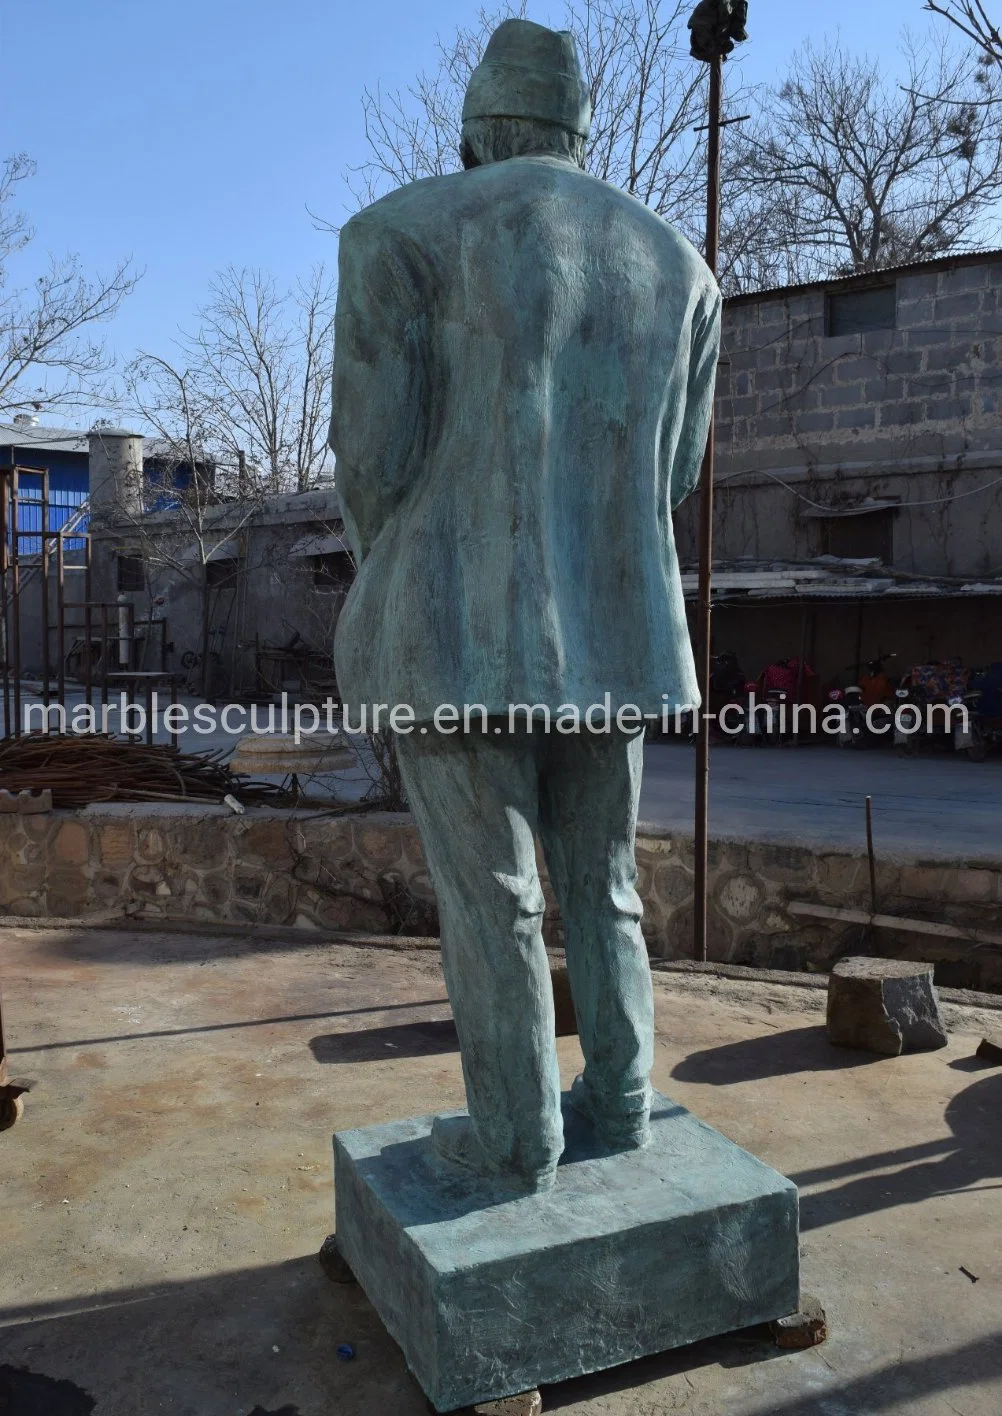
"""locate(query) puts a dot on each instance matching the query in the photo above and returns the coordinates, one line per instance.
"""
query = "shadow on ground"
(778, 1054)
(971, 1156)
(383, 1044)
(258, 1340)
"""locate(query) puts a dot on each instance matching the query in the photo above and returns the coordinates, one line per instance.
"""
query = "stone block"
(740, 897)
(672, 884)
(490, 1294)
(903, 361)
(923, 882)
(151, 845)
(958, 307)
(990, 1048)
(971, 886)
(815, 422)
(940, 409)
(200, 843)
(117, 844)
(378, 847)
(71, 845)
(66, 891)
(901, 414)
(855, 419)
(972, 277)
(265, 842)
(853, 370)
(844, 396)
(839, 875)
(888, 1006)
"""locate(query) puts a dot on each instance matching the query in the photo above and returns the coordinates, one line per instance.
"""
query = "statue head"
(527, 95)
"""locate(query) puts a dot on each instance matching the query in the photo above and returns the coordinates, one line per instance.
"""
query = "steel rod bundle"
(86, 768)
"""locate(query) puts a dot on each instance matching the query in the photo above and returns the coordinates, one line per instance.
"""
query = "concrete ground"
(166, 1192)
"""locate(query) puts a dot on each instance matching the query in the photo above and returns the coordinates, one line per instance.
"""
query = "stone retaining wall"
(368, 873)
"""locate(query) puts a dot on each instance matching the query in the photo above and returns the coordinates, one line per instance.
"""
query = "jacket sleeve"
(699, 397)
(377, 428)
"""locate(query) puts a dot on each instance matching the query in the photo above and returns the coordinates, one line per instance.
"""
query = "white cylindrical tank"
(116, 473)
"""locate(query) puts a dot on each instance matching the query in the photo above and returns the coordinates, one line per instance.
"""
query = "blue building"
(26, 443)
(63, 452)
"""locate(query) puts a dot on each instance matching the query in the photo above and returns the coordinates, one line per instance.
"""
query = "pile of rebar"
(85, 768)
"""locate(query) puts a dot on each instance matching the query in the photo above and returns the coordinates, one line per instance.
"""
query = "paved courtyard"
(169, 1185)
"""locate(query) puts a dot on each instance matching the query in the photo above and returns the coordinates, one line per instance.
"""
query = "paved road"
(935, 806)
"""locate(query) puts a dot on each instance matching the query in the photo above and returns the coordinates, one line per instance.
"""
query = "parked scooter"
(927, 686)
(728, 693)
(781, 687)
(982, 732)
(873, 687)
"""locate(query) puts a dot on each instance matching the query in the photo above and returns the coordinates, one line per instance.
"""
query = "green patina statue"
(523, 377)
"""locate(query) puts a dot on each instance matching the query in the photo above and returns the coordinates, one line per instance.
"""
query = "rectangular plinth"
(489, 1294)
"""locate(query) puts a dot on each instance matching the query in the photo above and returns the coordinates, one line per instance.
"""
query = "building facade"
(859, 469)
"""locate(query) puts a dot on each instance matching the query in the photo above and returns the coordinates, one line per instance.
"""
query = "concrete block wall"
(910, 414)
(367, 872)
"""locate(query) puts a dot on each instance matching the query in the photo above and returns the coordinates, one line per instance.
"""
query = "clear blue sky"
(195, 133)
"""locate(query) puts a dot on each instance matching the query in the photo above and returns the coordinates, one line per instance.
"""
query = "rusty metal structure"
(87, 647)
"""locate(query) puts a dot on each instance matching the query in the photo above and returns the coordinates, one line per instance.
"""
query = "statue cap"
(529, 71)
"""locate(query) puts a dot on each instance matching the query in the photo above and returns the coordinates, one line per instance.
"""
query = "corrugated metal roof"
(871, 277)
(839, 580)
(43, 438)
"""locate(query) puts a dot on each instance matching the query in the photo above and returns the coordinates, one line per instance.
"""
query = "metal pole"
(104, 661)
(46, 663)
(870, 857)
(61, 615)
(705, 613)
(4, 625)
(15, 588)
(88, 623)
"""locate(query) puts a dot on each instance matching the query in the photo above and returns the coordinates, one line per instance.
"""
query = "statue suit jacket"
(524, 365)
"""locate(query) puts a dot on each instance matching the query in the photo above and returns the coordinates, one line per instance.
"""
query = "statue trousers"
(479, 800)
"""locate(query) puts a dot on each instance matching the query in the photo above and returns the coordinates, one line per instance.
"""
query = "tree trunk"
(206, 677)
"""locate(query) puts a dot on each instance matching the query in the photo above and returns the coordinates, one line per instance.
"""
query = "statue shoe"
(458, 1147)
(616, 1130)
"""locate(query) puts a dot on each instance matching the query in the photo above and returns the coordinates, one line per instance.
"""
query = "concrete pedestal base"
(490, 1294)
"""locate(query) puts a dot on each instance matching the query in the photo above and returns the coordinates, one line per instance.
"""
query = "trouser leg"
(475, 800)
(589, 793)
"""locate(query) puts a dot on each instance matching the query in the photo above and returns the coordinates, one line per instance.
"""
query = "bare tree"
(259, 364)
(203, 514)
(647, 96)
(973, 20)
(49, 355)
(858, 176)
